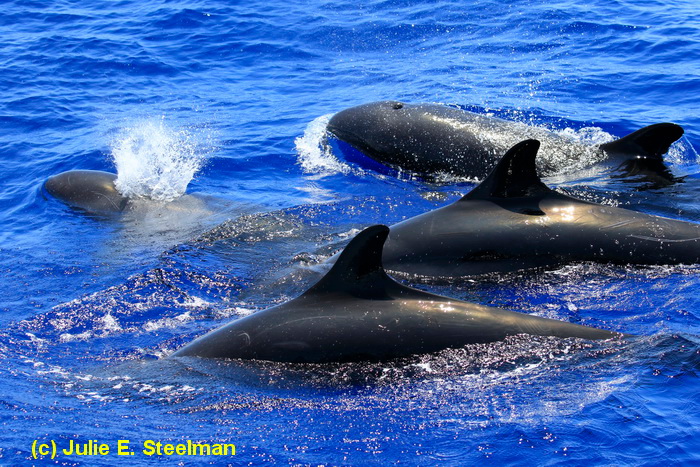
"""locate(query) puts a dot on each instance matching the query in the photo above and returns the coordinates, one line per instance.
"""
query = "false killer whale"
(95, 192)
(427, 139)
(91, 190)
(513, 221)
(357, 312)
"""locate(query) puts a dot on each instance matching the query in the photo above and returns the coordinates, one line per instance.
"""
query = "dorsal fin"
(650, 142)
(514, 176)
(359, 270)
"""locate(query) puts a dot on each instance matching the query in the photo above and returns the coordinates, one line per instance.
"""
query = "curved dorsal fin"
(514, 176)
(359, 270)
(650, 142)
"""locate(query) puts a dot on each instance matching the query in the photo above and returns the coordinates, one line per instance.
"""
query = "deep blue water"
(90, 307)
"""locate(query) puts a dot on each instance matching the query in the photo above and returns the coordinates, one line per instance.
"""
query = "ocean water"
(226, 103)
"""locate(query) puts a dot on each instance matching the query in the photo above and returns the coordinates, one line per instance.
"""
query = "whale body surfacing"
(430, 139)
(513, 221)
(357, 312)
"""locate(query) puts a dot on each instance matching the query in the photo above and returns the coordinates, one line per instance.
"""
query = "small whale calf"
(428, 139)
(356, 312)
(91, 190)
(513, 221)
(95, 192)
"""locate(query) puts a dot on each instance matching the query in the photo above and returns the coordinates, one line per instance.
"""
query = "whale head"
(366, 127)
(90, 190)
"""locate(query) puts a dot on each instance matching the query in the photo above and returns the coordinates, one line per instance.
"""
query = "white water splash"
(156, 162)
(315, 155)
(682, 153)
(590, 136)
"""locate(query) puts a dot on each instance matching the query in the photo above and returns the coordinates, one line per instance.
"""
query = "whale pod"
(513, 221)
(357, 312)
(430, 138)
